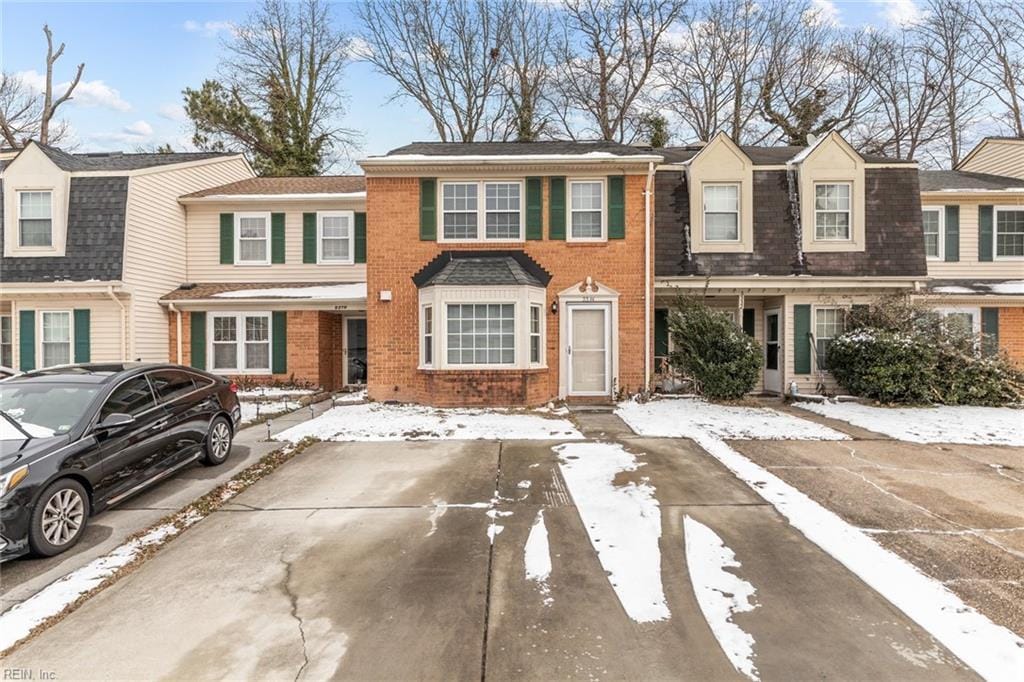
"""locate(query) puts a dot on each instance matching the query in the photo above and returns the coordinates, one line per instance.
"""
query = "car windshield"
(42, 409)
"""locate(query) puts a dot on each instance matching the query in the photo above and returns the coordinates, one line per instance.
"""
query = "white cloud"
(129, 137)
(86, 94)
(823, 12)
(900, 12)
(138, 129)
(208, 29)
(172, 112)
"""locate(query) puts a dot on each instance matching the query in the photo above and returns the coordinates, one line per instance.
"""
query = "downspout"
(647, 275)
(124, 322)
(177, 336)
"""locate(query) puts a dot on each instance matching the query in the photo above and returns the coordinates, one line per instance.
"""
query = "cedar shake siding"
(894, 239)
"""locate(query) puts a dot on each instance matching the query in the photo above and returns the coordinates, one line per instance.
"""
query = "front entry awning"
(318, 295)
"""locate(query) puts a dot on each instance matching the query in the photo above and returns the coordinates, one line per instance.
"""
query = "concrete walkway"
(21, 578)
(373, 561)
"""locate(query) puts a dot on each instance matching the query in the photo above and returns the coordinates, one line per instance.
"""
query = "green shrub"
(898, 351)
(712, 351)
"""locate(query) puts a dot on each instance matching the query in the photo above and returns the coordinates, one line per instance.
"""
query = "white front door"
(588, 349)
(773, 350)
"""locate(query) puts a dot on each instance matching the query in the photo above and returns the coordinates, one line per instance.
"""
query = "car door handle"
(159, 425)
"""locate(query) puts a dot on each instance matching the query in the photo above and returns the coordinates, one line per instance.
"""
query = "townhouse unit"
(784, 239)
(274, 284)
(90, 243)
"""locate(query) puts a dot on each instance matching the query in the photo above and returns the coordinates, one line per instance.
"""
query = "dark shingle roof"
(560, 147)
(760, 155)
(482, 268)
(322, 184)
(938, 180)
(119, 161)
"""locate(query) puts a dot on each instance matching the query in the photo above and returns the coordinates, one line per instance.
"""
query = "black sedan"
(75, 440)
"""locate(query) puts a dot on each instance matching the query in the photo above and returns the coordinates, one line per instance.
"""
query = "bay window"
(35, 218)
(334, 238)
(481, 334)
(55, 337)
(721, 212)
(252, 236)
(828, 324)
(586, 210)
(428, 335)
(933, 238)
(832, 211)
(1009, 232)
(536, 319)
(498, 218)
(240, 342)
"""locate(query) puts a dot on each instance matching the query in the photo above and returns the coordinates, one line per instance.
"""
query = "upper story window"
(933, 233)
(586, 210)
(35, 218)
(721, 212)
(1009, 232)
(497, 218)
(335, 233)
(252, 236)
(832, 211)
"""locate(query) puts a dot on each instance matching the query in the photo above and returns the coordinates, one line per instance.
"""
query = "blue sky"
(140, 55)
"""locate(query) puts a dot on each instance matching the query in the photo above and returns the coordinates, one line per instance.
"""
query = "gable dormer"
(831, 181)
(721, 182)
(35, 205)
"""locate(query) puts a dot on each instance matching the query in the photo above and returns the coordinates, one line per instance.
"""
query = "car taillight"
(233, 387)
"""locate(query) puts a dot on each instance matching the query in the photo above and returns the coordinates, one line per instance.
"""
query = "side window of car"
(171, 384)
(132, 397)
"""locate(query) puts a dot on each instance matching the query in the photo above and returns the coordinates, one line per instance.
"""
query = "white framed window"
(832, 211)
(6, 342)
(35, 218)
(933, 220)
(481, 333)
(828, 324)
(1009, 232)
(335, 237)
(587, 220)
(721, 212)
(55, 337)
(240, 343)
(428, 335)
(497, 217)
(968, 318)
(252, 239)
(536, 334)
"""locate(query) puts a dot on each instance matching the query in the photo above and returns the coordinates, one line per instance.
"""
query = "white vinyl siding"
(35, 218)
(968, 266)
(586, 210)
(933, 221)
(55, 338)
(722, 212)
(481, 211)
(335, 234)
(240, 343)
(832, 211)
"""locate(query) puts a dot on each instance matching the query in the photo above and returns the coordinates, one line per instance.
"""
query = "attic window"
(35, 218)
(832, 211)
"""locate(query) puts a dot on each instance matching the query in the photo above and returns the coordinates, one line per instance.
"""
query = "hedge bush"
(712, 351)
(898, 351)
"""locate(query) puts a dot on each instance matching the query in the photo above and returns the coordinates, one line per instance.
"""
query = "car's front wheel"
(59, 517)
(218, 442)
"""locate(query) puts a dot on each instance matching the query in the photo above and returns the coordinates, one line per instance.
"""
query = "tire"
(218, 442)
(59, 518)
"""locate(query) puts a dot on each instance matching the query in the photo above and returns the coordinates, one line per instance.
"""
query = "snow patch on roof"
(352, 292)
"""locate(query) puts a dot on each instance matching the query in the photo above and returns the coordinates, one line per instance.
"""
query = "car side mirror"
(115, 422)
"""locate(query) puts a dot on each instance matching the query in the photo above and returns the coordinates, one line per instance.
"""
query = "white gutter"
(177, 336)
(63, 287)
(647, 274)
(124, 322)
(245, 198)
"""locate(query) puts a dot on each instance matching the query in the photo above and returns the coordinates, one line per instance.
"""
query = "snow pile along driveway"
(944, 424)
(377, 422)
(695, 418)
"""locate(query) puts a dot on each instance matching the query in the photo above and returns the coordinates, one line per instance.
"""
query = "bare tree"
(26, 114)
(1000, 71)
(443, 55)
(528, 70)
(606, 56)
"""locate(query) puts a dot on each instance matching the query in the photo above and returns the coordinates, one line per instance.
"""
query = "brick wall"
(1011, 333)
(395, 253)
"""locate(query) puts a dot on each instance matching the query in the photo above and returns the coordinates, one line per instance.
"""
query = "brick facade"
(1011, 333)
(395, 252)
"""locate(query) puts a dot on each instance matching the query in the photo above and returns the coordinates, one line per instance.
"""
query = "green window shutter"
(26, 340)
(990, 330)
(277, 237)
(952, 233)
(227, 238)
(82, 350)
(556, 208)
(801, 336)
(534, 209)
(197, 333)
(617, 207)
(985, 233)
(309, 237)
(360, 240)
(660, 333)
(748, 322)
(279, 353)
(428, 209)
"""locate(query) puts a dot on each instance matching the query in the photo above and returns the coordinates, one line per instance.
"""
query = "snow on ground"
(943, 424)
(378, 422)
(252, 411)
(720, 593)
(273, 392)
(537, 557)
(692, 418)
(623, 522)
(994, 652)
(353, 397)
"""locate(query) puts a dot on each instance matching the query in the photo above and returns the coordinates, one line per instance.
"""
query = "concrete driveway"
(373, 561)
